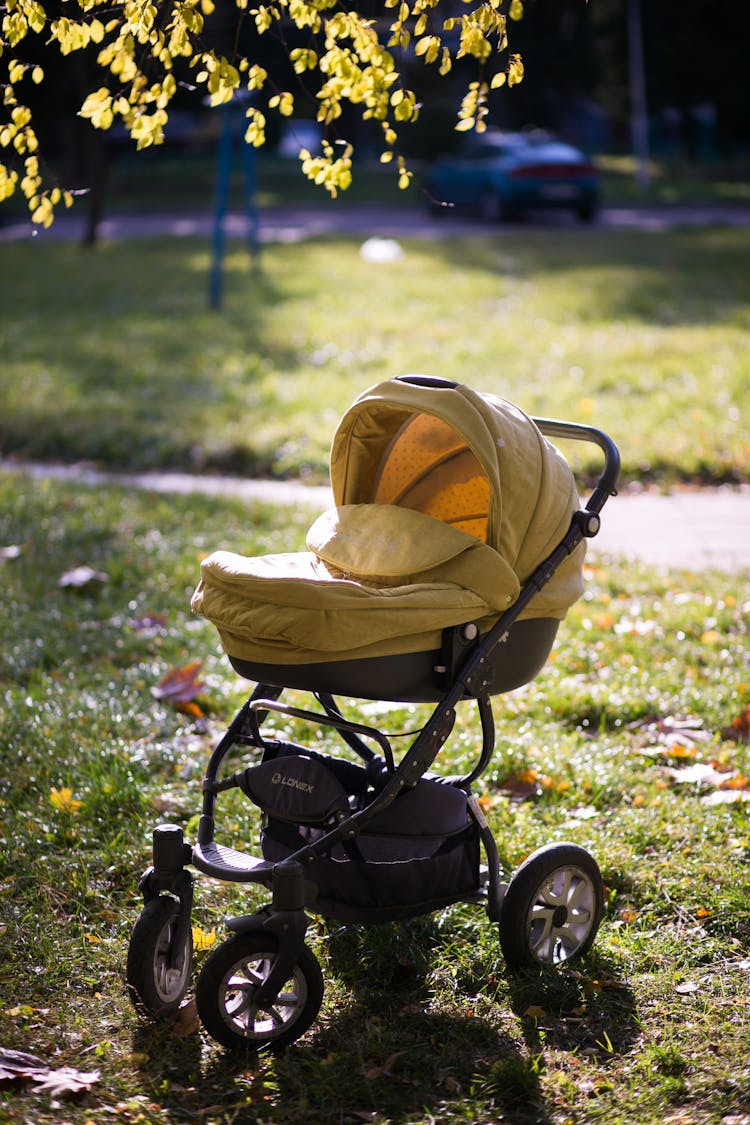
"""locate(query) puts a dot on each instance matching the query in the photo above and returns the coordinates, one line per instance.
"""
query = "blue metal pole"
(222, 198)
(251, 205)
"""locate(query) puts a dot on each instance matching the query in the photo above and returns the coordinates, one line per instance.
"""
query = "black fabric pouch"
(418, 854)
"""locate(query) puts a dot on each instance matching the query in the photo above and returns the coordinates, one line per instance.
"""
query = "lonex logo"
(282, 779)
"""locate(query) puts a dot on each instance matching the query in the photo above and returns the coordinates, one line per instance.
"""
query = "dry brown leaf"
(185, 1020)
(20, 1066)
(523, 785)
(180, 685)
(739, 728)
(386, 1070)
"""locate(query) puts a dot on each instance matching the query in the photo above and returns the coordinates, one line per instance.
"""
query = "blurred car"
(503, 175)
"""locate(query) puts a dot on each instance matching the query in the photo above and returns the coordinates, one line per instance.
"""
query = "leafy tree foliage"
(146, 50)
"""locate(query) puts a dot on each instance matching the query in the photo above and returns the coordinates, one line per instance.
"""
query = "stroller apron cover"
(446, 502)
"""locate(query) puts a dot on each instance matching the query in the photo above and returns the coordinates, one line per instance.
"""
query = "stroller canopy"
(468, 459)
(446, 501)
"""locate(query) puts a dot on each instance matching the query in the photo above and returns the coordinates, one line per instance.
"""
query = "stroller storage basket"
(418, 854)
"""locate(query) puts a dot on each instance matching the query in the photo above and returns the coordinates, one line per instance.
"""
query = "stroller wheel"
(226, 988)
(552, 908)
(159, 957)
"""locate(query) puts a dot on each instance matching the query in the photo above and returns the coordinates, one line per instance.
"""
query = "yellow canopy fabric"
(446, 502)
(531, 493)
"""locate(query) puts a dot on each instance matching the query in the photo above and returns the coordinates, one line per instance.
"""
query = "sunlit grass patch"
(642, 334)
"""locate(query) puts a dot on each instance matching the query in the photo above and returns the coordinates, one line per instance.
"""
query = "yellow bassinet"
(446, 502)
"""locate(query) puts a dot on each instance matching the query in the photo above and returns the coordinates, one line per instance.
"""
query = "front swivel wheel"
(160, 957)
(552, 908)
(228, 984)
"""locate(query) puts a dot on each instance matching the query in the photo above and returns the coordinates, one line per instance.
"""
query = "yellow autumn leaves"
(138, 42)
(64, 802)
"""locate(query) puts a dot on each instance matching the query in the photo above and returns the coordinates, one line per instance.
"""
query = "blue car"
(503, 175)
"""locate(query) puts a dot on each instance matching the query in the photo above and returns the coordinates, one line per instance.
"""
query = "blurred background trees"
(577, 64)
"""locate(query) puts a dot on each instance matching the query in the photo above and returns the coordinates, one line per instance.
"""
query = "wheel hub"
(560, 917)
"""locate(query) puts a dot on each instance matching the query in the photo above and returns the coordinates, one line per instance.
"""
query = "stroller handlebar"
(576, 431)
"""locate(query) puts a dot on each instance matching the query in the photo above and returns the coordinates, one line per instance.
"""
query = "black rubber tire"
(155, 984)
(224, 995)
(552, 908)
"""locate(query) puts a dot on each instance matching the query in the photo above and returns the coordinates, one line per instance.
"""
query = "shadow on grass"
(370, 1062)
(394, 1044)
(587, 1009)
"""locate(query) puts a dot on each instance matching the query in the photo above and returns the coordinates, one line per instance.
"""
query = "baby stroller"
(441, 576)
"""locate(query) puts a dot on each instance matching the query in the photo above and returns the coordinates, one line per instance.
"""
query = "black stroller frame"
(263, 987)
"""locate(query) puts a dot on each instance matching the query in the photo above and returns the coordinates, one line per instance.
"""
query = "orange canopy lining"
(429, 468)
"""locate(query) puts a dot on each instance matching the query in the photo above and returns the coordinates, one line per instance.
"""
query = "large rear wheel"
(552, 908)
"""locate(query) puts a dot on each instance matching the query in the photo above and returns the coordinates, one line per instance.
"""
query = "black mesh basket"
(418, 854)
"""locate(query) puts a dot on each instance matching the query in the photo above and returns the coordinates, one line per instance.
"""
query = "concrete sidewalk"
(295, 223)
(687, 529)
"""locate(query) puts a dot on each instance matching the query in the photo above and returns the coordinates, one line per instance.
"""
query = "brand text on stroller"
(282, 779)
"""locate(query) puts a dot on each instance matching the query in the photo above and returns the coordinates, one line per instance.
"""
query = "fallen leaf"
(739, 728)
(702, 773)
(726, 797)
(534, 1012)
(203, 939)
(180, 685)
(185, 1020)
(736, 781)
(12, 551)
(386, 1070)
(585, 812)
(66, 1080)
(522, 785)
(13, 1063)
(82, 578)
(64, 801)
(18, 1066)
(686, 987)
(678, 750)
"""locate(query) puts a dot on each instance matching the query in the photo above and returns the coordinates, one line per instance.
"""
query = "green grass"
(421, 1022)
(113, 356)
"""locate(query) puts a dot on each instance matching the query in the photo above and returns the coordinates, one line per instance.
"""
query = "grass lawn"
(113, 356)
(648, 686)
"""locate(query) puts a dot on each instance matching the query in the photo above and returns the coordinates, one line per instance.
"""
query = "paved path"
(295, 224)
(688, 529)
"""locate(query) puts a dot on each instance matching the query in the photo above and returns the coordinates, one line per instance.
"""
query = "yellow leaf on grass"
(64, 801)
(203, 939)
(535, 1012)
